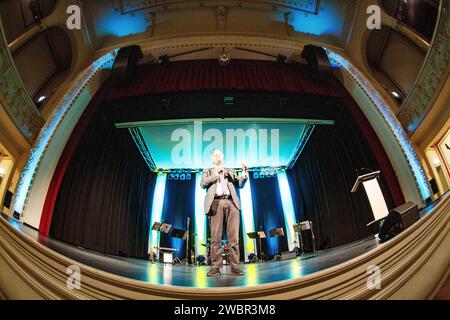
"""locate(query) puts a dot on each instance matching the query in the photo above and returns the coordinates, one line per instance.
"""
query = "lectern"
(374, 193)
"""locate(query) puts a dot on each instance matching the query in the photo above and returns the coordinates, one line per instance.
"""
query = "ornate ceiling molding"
(307, 6)
(186, 42)
(432, 77)
(14, 96)
(393, 123)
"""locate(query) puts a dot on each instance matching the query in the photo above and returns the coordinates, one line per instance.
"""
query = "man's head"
(217, 157)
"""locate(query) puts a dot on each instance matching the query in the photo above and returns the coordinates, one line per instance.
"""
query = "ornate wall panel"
(14, 97)
(433, 76)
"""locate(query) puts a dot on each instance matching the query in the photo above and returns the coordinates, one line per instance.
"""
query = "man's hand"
(218, 169)
(244, 171)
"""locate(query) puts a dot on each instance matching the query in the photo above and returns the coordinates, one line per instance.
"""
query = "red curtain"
(240, 75)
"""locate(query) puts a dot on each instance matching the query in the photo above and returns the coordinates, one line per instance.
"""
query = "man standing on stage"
(222, 203)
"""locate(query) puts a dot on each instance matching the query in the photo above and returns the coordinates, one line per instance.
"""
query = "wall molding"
(79, 94)
(14, 96)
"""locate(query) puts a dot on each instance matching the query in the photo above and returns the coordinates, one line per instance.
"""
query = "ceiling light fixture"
(224, 59)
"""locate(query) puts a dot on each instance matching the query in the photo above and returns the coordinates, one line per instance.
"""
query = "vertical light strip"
(248, 224)
(288, 207)
(157, 208)
(48, 131)
(200, 218)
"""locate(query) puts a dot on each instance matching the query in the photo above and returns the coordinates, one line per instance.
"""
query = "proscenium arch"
(36, 177)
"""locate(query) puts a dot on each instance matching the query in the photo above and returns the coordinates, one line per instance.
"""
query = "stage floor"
(195, 277)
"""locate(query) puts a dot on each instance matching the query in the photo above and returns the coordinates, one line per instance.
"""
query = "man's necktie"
(223, 184)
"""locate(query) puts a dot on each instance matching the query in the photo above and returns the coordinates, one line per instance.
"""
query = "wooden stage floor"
(195, 276)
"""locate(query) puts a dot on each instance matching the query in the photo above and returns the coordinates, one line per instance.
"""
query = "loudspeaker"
(308, 240)
(399, 219)
(125, 65)
(288, 255)
(318, 63)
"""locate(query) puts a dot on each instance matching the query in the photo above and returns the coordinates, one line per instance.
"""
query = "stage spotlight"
(397, 96)
(255, 175)
(40, 101)
(188, 176)
(281, 59)
(35, 9)
(262, 176)
(201, 259)
(182, 177)
(165, 104)
(164, 59)
(171, 176)
(224, 59)
(176, 176)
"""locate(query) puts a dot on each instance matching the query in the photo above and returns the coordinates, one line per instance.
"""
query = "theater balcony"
(95, 96)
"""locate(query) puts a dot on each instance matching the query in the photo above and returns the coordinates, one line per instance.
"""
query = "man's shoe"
(213, 273)
(237, 272)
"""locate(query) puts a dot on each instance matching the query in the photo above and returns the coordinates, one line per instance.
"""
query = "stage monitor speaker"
(125, 64)
(399, 219)
(308, 240)
(318, 63)
(288, 255)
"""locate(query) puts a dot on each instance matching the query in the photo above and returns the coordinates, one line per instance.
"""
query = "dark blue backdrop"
(268, 212)
(179, 204)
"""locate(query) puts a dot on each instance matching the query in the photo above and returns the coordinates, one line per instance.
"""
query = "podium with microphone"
(374, 194)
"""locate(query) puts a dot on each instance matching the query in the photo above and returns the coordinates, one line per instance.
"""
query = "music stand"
(262, 235)
(254, 236)
(156, 226)
(274, 233)
(308, 225)
(298, 231)
(163, 228)
(178, 234)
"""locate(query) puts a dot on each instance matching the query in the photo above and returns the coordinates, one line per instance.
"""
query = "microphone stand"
(187, 240)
